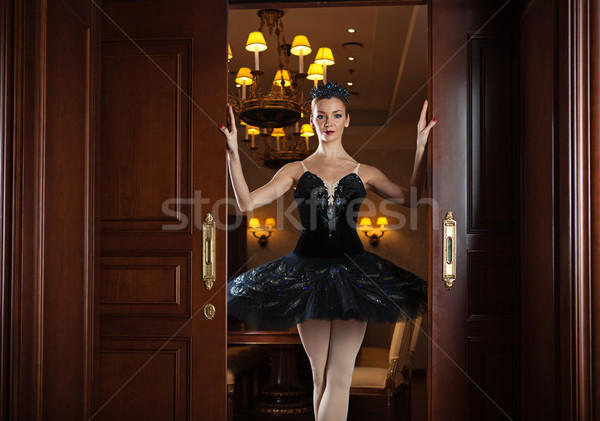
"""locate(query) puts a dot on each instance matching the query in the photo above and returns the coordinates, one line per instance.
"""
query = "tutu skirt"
(293, 288)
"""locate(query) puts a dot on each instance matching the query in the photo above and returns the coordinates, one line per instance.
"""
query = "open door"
(474, 326)
(160, 167)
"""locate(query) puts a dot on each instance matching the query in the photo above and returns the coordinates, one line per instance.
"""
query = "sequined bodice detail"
(328, 214)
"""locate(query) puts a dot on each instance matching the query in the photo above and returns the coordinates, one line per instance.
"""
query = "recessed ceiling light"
(351, 58)
(351, 30)
(350, 83)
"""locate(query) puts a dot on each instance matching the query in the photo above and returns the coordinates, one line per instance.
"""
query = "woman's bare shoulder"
(368, 174)
(293, 170)
(369, 170)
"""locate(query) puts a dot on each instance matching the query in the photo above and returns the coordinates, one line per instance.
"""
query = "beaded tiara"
(328, 90)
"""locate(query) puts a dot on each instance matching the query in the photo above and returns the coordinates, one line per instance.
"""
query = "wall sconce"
(262, 232)
(373, 233)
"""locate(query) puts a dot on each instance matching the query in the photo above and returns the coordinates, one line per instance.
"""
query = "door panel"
(49, 261)
(474, 352)
(161, 167)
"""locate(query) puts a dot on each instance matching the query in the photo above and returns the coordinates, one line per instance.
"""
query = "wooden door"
(474, 326)
(161, 171)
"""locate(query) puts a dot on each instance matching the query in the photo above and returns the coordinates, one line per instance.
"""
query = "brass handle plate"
(209, 311)
(449, 255)
(208, 251)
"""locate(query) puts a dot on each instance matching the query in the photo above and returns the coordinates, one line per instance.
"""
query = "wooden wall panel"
(157, 367)
(492, 292)
(52, 211)
(538, 292)
(145, 284)
(493, 238)
(491, 145)
(493, 364)
(146, 141)
(66, 194)
(7, 98)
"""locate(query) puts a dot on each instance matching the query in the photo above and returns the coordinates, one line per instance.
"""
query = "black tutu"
(329, 275)
(293, 288)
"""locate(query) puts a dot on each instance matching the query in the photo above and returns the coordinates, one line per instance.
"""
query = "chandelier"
(279, 114)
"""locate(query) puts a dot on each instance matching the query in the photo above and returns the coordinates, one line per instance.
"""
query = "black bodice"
(328, 217)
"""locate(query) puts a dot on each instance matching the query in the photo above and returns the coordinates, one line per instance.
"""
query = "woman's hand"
(423, 128)
(230, 132)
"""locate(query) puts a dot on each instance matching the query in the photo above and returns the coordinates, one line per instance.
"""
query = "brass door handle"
(449, 255)
(208, 251)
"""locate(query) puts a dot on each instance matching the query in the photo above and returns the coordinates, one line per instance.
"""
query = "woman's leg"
(344, 343)
(315, 339)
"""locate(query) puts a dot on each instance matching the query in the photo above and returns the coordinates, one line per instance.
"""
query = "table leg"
(284, 397)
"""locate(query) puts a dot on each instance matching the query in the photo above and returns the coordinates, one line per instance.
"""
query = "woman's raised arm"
(246, 200)
(387, 189)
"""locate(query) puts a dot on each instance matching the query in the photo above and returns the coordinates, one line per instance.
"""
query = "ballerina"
(329, 286)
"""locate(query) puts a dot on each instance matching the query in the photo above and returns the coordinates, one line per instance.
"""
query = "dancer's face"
(329, 118)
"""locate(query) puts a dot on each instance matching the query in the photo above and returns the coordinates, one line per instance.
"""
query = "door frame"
(579, 308)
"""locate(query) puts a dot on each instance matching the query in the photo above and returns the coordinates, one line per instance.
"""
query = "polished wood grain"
(538, 294)
(52, 183)
(474, 347)
(161, 167)
(593, 58)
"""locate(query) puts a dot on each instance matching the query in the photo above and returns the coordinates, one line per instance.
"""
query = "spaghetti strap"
(356, 169)
(303, 166)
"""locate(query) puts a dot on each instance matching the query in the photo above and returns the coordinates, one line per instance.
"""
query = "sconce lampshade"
(229, 54)
(270, 222)
(282, 75)
(300, 43)
(254, 223)
(315, 72)
(256, 42)
(365, 222)
(244, 75)
(324, 57)
(382, 220)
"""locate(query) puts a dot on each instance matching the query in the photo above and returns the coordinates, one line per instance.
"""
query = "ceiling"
(389, 73)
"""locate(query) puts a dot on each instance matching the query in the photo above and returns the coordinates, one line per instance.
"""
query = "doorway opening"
(380, 55)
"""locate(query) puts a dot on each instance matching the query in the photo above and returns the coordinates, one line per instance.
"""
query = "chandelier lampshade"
(325, 57)
(315, 72)
(300, 48)
(256, 42)
(278, 132)
(252, 130)
(282, 76)
(307, 131)
(244, 76)
(300, 45)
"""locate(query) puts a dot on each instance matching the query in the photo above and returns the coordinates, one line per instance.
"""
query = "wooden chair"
(387, 372)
